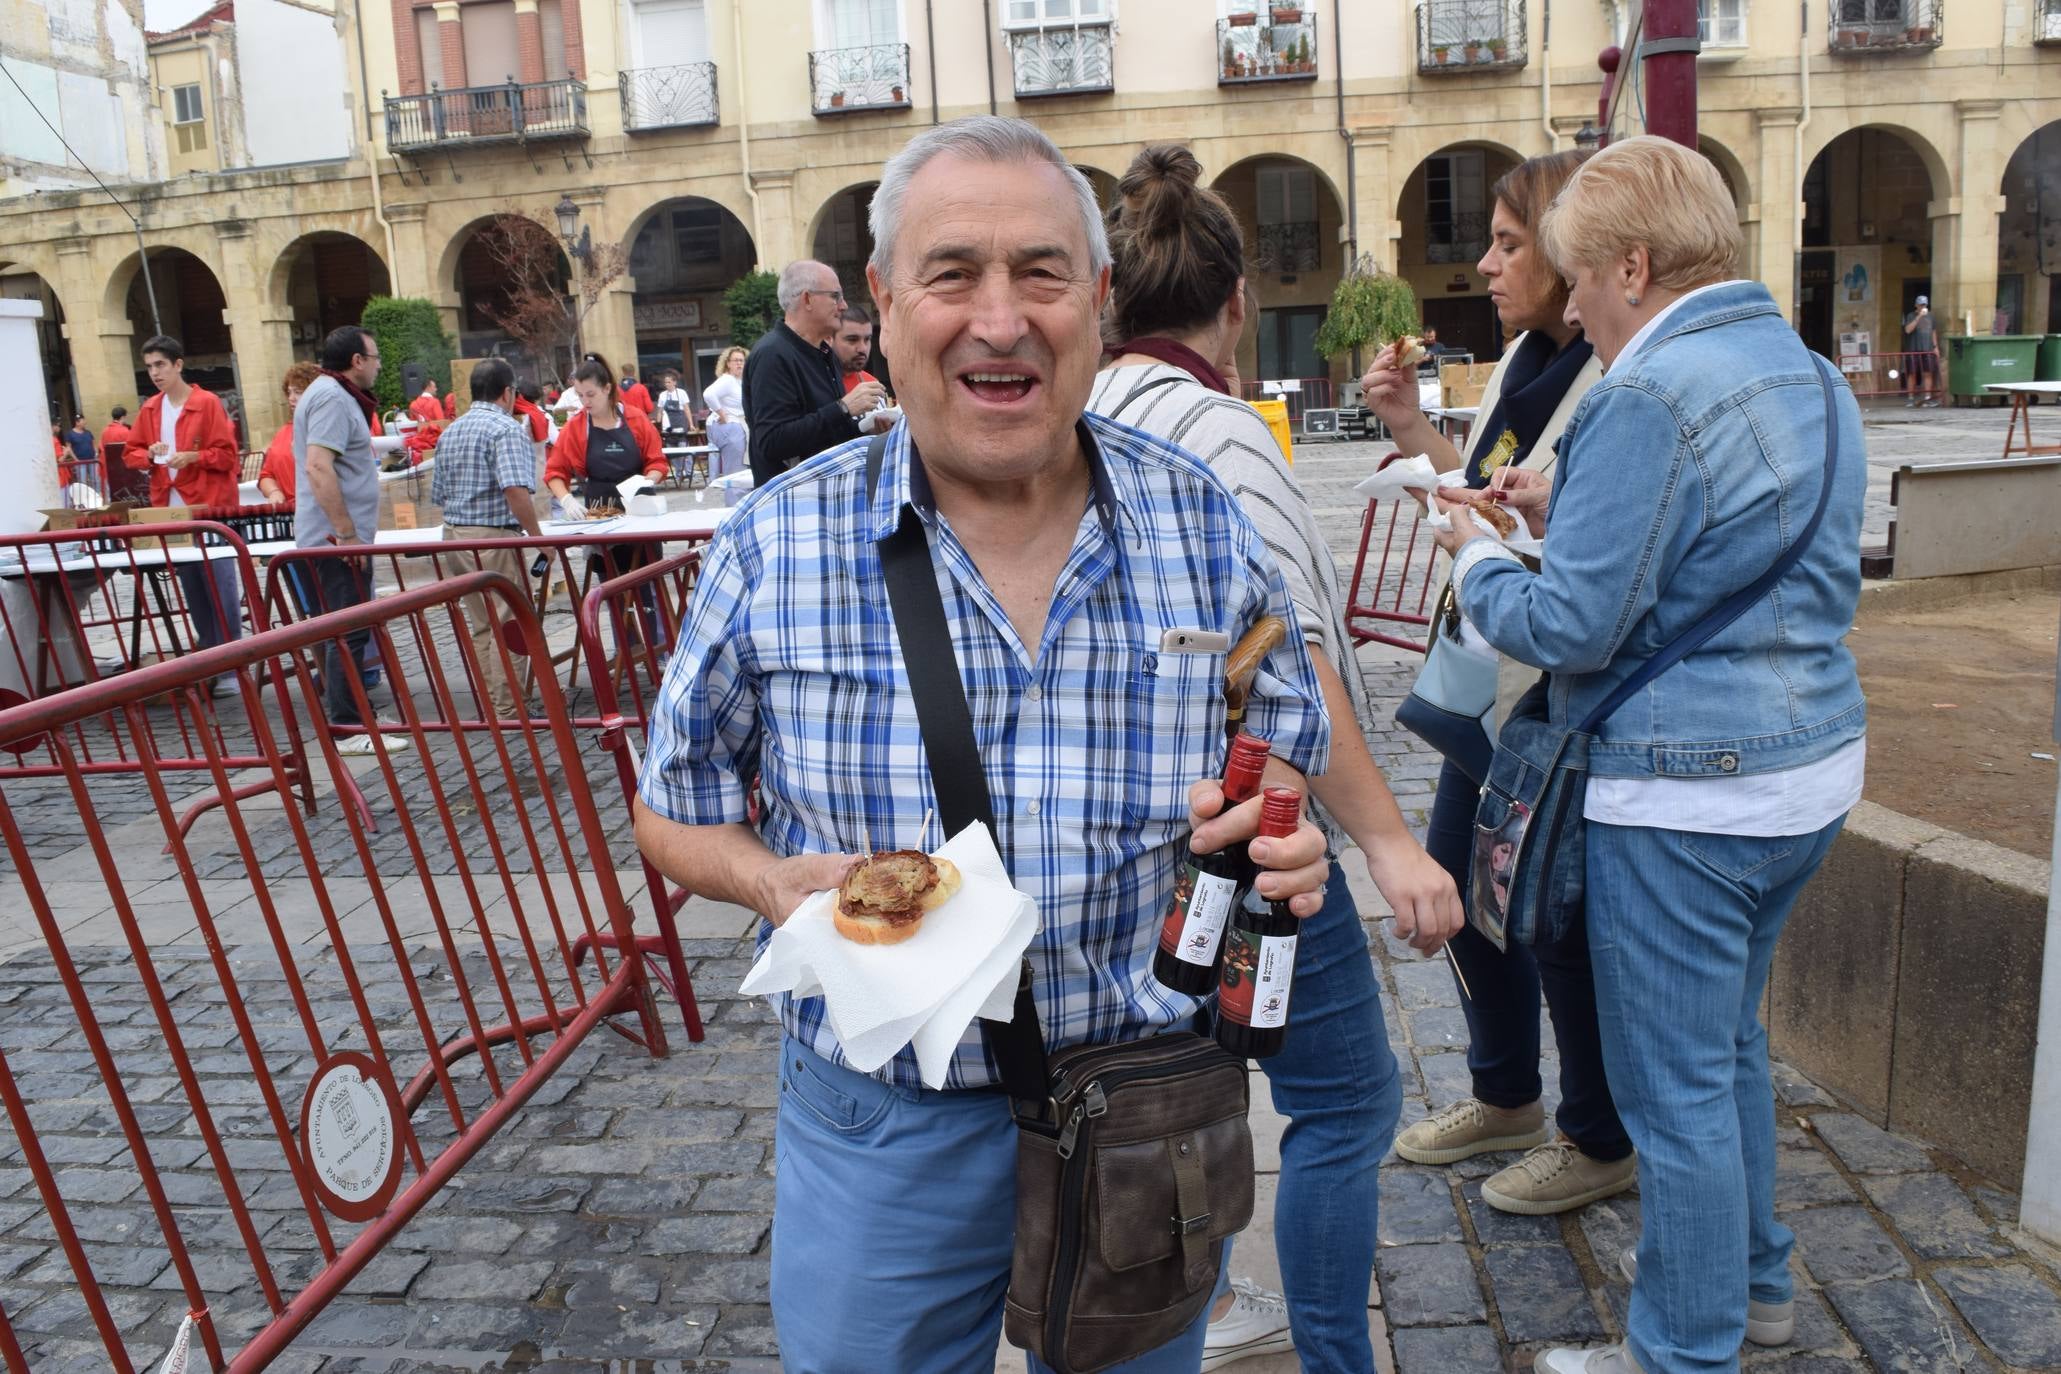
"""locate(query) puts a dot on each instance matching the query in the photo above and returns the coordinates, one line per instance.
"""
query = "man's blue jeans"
(1335, 1080)
(893, 1225)
(1682, 928)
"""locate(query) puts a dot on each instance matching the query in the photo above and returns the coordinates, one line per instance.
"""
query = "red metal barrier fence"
(89, 605)
(1893, 374)
(1312, 393)
(366, 1011)
(1401, 585)
(626, 664)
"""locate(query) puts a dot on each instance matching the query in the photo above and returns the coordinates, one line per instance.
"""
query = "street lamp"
(579, 245)
(1588, 136)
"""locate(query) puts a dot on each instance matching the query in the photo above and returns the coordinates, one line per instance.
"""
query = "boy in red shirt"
(184, 434)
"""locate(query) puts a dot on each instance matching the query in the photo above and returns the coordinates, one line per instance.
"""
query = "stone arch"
(685, 252)
(2029, 233)
(1870, 244)
(842, 236)
(21, 279)
(1937, 168)
(446, 276)
(475, 283)
(1291, 215)
(1731, 169)
(1444, 208)
(323, 279)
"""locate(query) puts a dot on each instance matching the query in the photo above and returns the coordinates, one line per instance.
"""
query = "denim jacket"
(1682, 477)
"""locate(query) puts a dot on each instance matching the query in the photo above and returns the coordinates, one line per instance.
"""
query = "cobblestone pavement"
(620, 1220)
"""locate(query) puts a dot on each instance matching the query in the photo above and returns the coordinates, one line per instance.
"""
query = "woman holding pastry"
(1704, 520)
(1534, 390)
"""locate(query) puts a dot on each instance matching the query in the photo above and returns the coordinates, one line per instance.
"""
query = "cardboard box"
(68, 518)
(1461, 384)
(158, 515)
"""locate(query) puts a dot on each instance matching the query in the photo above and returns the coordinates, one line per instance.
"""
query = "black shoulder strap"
(1154, 385)
(956, 774)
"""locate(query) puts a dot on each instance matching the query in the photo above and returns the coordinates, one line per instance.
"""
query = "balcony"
(515, 112)
(1075, 60)
(1865, 26)
(1461, 237)
(1460, 36)
(849, 80)
(1282, 49)
(682, 97)
(1294, 247)
(2047, 32)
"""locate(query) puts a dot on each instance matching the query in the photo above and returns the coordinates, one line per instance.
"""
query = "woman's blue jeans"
(1501, 1000)
(1682, 928)
(1335, 1080)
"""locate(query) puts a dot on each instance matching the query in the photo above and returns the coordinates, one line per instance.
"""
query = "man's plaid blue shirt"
(484, 451)
(789, 668)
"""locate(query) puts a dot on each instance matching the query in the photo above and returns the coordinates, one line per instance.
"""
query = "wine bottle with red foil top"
(1259, 953)
(1208, 887)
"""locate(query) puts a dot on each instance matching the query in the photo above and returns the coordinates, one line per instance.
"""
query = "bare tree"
(533, 302)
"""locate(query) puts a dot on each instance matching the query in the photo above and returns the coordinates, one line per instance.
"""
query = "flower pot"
(1439, 55)
(1921, 34)
(1244, 19)
(1498, 52)
(897, 95)
(1473, 51)
(1289, 15)
(837, 100)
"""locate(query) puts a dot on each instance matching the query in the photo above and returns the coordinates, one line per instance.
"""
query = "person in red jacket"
(275, 478)
(116, 432)
(634, 394)
(426, 407)
(192, 449)
(604, 442)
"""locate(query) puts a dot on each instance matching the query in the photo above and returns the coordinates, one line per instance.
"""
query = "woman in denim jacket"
(1715, 792)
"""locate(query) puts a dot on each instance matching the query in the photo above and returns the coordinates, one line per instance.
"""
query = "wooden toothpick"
(1456, 972)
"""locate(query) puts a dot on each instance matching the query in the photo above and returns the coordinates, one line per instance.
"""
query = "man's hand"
(1296, 866)
(864, 397)
(183, 460)
(785, 884)
(1426, 904)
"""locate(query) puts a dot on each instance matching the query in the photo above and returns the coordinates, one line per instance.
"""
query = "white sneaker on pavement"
(1257, 1324)
(352, 745)
(1611, 1359)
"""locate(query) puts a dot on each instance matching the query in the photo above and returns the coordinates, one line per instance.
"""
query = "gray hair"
(978, 138)
(798, 276)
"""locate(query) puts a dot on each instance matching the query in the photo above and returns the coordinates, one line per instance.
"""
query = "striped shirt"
(1230, 436)
(479, 455)
(789, 668)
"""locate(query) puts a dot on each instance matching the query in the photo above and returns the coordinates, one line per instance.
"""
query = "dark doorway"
(1288, 343)
(1466, 323)
(1814, 300)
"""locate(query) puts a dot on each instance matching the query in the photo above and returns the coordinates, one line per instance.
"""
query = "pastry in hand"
(885, 897)
(1494, 516)
(1409, 351)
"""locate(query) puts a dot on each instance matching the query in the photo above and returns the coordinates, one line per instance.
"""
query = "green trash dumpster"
(1973, 361)
(2048, 369)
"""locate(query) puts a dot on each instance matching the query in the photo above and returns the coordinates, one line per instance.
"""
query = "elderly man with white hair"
(795, 404)
(1071, 554)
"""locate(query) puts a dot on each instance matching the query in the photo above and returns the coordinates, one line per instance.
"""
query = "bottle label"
(1202, 903)
(1258, 972)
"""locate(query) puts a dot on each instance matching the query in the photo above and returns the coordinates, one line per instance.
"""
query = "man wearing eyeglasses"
(794, 398)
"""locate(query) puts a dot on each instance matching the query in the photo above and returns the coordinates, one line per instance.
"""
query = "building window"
(1031, 14)
(1289, 236)
(1455, 213)
(859, 23)
(1721, 23)
(189, 120)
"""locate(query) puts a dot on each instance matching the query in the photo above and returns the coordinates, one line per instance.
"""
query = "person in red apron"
(603, 444)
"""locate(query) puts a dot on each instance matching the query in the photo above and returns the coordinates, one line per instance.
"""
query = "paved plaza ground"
(620, 1221)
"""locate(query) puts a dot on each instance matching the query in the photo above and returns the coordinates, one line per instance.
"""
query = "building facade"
(1887, 149)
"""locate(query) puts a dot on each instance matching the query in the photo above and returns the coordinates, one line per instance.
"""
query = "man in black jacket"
(794, 397)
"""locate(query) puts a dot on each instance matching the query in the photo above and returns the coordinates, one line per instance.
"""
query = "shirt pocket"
(1174, 705)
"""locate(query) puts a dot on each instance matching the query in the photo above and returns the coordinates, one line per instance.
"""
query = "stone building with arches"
(711, 136)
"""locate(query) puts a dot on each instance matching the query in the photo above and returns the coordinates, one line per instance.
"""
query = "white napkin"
(1397, 479)
(924, 991)
(633, 484)
(1518, 541)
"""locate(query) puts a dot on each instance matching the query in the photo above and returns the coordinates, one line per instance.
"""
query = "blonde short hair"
(1653, 193)
(723, 363)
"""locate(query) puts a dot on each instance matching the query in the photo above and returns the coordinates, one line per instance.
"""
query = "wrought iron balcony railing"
(1076, 60)
(1864, 26)
(514, 112)
(682, 97)
(1278, 45)
(844, 80)
(2048, 28)
(1456, 36)
(1457, 238)
(1292, 247)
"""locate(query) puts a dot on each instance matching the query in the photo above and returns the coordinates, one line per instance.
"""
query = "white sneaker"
(1257, 1324)
(1611, 1359)
(1767, 1323)
(362, 744)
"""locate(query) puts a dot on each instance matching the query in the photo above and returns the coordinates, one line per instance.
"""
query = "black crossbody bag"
(1134, 1162)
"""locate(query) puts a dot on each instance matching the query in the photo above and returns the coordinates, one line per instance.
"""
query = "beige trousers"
(512, 564)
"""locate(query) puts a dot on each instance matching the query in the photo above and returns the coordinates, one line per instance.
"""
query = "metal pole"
(2039, 1210)
(1668, 44)
(156, 325)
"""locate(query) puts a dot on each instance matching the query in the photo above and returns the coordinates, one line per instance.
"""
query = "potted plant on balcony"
(1244, 19)
(1439, 52)
(1499, 49)
(1919, 34)
(897, 94)
(837, 100)
(1286, 14)
(1231, 59)
(1472, 49)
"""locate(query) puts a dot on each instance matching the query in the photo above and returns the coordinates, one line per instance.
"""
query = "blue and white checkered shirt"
(484, 451)
(789, 668)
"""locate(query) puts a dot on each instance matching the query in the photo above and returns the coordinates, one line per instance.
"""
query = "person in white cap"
(1921, 344)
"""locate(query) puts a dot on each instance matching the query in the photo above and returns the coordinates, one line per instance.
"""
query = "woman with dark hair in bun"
(1176, 309)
